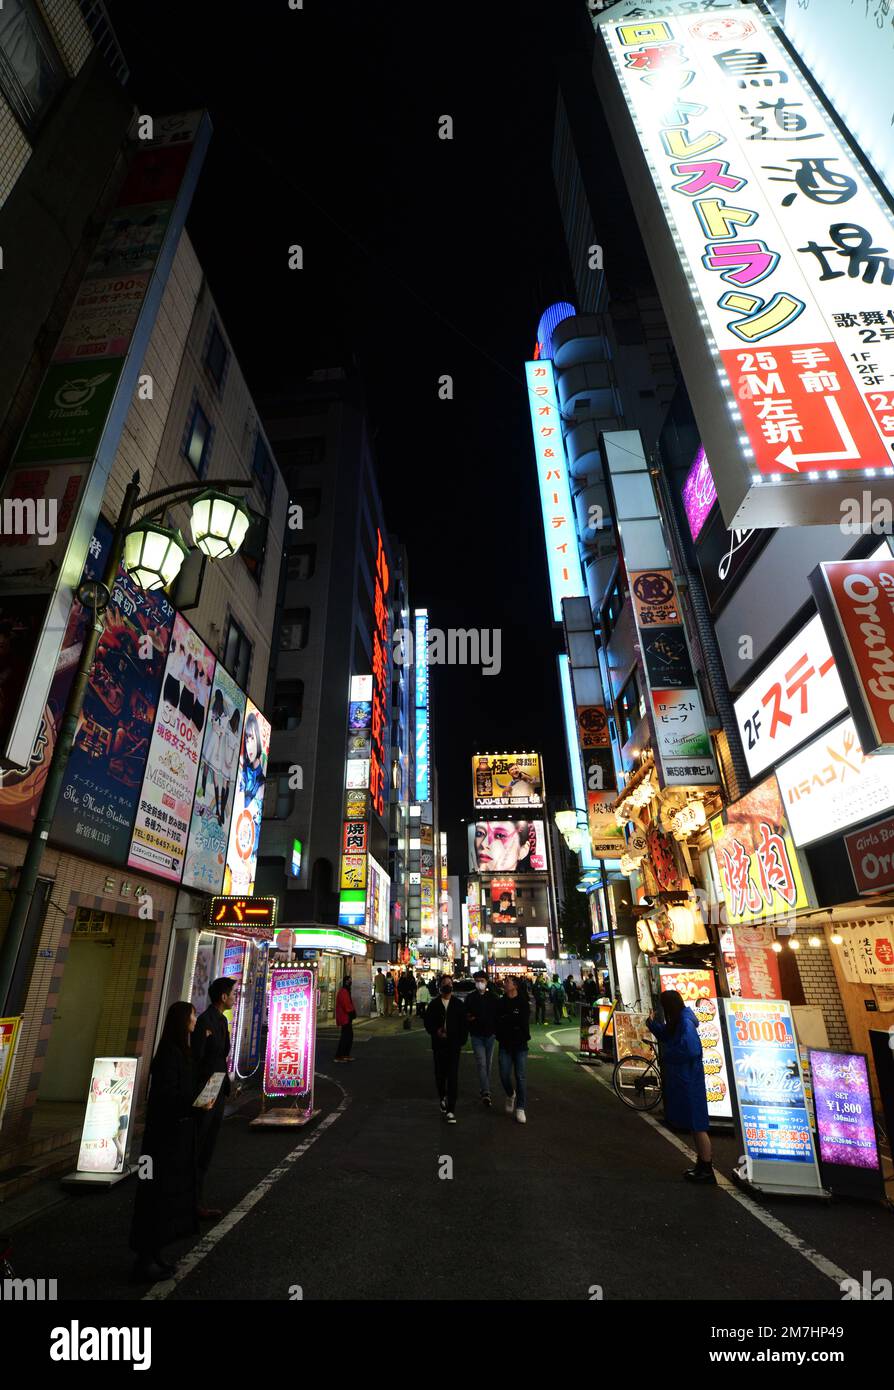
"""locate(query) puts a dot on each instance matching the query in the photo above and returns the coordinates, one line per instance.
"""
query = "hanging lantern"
(219, 523)
(153, 554)
(644, 936)
(682, 923)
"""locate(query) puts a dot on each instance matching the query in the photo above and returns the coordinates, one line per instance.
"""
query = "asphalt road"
(380, 1199)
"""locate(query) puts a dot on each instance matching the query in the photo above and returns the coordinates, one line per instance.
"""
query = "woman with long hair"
(165, 1203)
(683, 1079)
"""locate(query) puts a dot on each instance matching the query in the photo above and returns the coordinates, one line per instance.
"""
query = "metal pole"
(14, 942)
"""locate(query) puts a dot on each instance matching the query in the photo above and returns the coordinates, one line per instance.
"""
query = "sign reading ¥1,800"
(766, 1070)
(786, 250)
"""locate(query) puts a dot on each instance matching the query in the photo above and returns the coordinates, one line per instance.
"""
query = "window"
(254, 546)
(197, 440)
(262, 467)
(237, 654)
(301, 561)
(288, 704)
(631, 708)
(308, 499)
(611, 609)
(279, 798)
(217, 356)
(293, 629)
(30, 71)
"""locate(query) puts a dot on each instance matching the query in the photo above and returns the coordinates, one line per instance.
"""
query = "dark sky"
(422, 257)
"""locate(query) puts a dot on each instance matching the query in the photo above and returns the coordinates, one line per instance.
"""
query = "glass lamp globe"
(153, 554)
(219, 523)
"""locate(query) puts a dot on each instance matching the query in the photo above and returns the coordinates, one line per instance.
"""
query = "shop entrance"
(66, 1072)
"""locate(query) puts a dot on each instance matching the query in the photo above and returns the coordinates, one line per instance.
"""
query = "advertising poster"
(232, 968)
(206, 849)
(699, 992)
(506, 780)
(107, 1118)
(291, 1033)
(105, 770)
(201, 976)
(378, 901)
(759, 867)
(245, 830)
(20, 791)
(766, 1071)
(163, 815)
(842, 1099)
(507, 846)
(632, 1037)
(9, 1034)
(757, 964)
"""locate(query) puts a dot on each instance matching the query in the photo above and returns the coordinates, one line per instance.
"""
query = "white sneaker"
(521, 1117)
(510, 1104)
(450, 1117)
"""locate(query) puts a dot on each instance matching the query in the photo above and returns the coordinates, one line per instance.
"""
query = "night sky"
(422, 257)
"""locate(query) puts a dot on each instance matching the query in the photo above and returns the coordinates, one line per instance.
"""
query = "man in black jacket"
(481, 1011)
(514, 1034)
(211, 1047)
(446, 1022)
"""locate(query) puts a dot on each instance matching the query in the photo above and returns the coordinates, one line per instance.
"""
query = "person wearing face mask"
(514, 1035)
(448, 1027)
(481, 1011)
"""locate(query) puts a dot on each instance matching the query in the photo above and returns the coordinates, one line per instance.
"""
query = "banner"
(698, 990)
(107, 1119)
(99, 797)
(866, 952)
(245, 830)
(756, 962)
(206, 850)
(163, 815)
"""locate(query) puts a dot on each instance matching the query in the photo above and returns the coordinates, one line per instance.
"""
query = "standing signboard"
(9, 1037)
(845, 1126)
(108, 1121)
(772, 1107)
(291, 1043)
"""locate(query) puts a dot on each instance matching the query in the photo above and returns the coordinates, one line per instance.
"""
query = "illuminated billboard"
(507, 846)
(781, 251)
(759, 868)
(566, 577)
(248, 804)
(422, 722)
(502, 781)
(699, 494)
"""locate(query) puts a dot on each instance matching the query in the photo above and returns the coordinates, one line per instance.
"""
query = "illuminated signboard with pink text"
(291, 1034)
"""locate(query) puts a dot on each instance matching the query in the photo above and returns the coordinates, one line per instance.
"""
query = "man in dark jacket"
(541, 994)
(481, 1011)
(211, 1047)
(448, 1026)
(406, 989)
(590, 990)
(513, 1035)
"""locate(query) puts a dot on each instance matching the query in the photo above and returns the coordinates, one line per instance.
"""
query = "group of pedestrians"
(180, 1137)
(487, 1018)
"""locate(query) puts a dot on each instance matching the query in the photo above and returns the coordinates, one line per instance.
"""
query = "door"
(66, 1073)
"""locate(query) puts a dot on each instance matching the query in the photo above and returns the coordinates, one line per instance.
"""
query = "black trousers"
(447, 1073)
(346, 1041)
(208, 1130)
(540, 1011)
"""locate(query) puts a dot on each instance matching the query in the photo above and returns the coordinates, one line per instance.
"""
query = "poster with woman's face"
(504, 846)
(245, 829)
(209, 833)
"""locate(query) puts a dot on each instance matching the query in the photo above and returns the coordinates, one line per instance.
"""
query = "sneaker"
(510, 1104)
(521, 1117)
(450, 1117)
(485, 1098)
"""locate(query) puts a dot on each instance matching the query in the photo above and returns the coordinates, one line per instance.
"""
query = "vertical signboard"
(355, 825)
(291, 1035)
(248, 805)
(381, 673)
(104, 773)
(163, 815)
(206, 850)
(855, 599)
(698, 990)
(423, 732)
(566, 576)
(63, 459)
(766, 1069)
(761, 874)
(784, 245)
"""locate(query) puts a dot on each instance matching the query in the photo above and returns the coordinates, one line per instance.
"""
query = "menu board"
(766, 1071)
(699, 991)
(206, 849)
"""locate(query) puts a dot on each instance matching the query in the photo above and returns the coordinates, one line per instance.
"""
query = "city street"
(587, 1194)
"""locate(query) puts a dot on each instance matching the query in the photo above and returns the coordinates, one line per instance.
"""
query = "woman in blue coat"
(683, 1079)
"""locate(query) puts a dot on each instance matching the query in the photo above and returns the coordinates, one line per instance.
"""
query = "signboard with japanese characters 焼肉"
(775, 249)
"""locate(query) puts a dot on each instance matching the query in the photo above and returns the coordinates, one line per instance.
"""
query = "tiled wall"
(820, 986)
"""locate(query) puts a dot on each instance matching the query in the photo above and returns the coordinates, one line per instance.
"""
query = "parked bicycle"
(637, 1079)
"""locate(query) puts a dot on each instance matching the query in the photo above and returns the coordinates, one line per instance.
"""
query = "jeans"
(514, 1058)
(446, 1059)
(483, 1049)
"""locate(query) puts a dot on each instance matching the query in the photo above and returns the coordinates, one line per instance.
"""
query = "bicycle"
(637, 1080)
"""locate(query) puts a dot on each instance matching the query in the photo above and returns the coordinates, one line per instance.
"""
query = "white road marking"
(232, 1218)
(827, 1267)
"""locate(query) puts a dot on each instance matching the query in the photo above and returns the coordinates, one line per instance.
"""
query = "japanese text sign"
(831, 784)
(855, 599)
(291, 1033)
(566, 577)
(756, 857)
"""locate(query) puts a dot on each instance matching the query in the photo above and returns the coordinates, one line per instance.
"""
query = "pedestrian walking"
(448, 1027)
(379, 986)
(571, 991)
(541, 994)
(557, 998)
(423, 999)
(406, 990)
(590, 990)
(481, 1011)
(211, 1047)
(683, 1079)
(166, 1197)
(513, 1035)
(389, 994)
(345, 1013)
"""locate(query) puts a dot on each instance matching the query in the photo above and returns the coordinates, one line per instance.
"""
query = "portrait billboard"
(206, 849)
(248, 804)
(507, 846)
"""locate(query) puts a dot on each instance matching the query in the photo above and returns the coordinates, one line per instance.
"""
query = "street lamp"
(152, 555)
